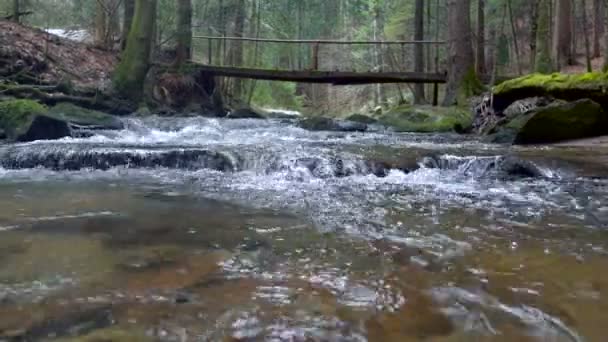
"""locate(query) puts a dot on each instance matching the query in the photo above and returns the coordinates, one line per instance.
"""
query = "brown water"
(290, 254)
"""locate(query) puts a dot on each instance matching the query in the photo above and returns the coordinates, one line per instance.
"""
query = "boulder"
(319, 123)
(427, 119)
(575, 120)
(84, 118)
(27, 120)
(245, 113)
(368, 120)
(559, 86)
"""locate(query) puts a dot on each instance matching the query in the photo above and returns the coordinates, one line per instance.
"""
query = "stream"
(199, 229)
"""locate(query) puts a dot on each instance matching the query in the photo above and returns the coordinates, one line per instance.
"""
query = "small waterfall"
(502, 167)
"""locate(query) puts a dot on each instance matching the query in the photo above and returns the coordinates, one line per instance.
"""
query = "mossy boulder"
(575, 120)
(426, 119)
(557, 122)
(368, 120)
(320, 123)
(574, 87)
(85, 118)
(27, 120)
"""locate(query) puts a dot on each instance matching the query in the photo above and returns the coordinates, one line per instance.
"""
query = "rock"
(504, 167)
(84, 118)
(559, 86)
(27, 120)
(319, 123)
(576, 120)
(410, 118)
(245, 113)
(2, 134)
(56, 160)
(364, 119)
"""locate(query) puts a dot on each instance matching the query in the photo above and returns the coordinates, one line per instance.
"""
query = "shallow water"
(212, 230)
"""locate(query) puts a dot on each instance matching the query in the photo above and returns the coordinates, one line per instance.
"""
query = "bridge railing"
(317, 55)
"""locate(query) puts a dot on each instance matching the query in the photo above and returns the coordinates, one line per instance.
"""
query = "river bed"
(228, 230)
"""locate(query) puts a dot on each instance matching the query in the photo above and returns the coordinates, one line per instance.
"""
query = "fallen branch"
(20, 14)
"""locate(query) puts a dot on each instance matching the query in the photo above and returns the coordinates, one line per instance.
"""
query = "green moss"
(17, 115)
(410, 118)
(592, 85)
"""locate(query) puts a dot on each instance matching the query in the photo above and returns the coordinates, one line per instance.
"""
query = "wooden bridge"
(338, 62)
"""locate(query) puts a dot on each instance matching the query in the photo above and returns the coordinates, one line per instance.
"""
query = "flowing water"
(212, 230)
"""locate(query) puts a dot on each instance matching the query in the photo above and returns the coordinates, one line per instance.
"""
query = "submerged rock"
(319, 123)
(425, 119)
(104, 160)
(503, 167)
(245, 113)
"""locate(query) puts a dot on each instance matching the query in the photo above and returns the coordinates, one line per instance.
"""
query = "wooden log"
(330, 77)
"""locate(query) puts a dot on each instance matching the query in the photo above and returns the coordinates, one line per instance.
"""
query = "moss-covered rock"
(368, 120)
(575, 120)
(87, 118)
(27, 120)
(560, 86)
(410, 118)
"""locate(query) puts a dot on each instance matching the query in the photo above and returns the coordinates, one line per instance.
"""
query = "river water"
(211, 230)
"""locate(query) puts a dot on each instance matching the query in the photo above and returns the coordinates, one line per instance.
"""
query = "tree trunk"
(462, 80)
(237, 60)
(563, 34)
(183, 32)
(543, 63)
(605, 68)
(586, 35)
(16, 15)
(533, 32)
(598, 27)
(100, 23)
(419, 97)
(131, 72)
(481, 37)
(127, 19)
(514, 35)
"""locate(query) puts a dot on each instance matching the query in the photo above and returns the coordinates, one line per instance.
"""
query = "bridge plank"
(330, 77)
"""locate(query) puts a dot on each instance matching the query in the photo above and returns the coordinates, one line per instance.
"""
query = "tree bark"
(183, 32)
(419, 96)
(514, 35)
(481, 37)
(462, 80)
(533, 32)
(598, 27)
(563, 34)
(16, 11)
(100, 23)
(543, 63)
(586, 35)
(127, 19)
(131, 72)
(605, 68)
(237, 60)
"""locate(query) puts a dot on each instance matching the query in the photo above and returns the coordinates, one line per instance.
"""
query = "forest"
(303, 170)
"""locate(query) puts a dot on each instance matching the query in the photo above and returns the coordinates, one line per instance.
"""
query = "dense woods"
(486, 40)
